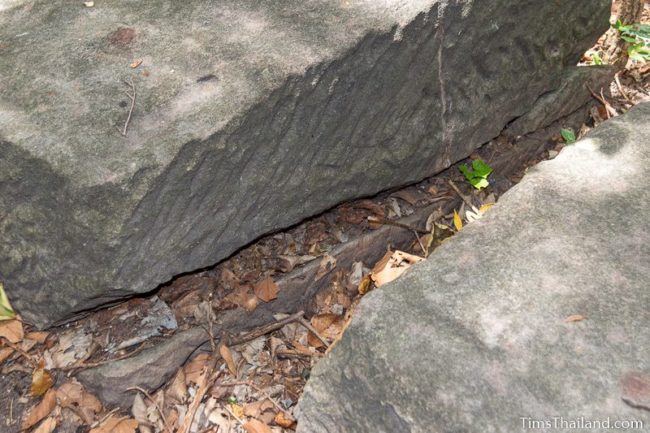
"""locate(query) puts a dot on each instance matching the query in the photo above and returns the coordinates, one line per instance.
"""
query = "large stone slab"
(478, 338)
(249, 116)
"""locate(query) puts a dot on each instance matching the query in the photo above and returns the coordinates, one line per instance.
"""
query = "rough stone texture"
(250, 116)
(572, 94)
(476, 337)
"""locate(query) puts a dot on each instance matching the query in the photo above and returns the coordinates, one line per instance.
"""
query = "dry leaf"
(178, 388)
(115, 424)
(5, 352)
(250, 304)
(73, 395)
(458, 223)
(194, 368)
(227, 356)
(41, 410)
(256, 426)
(575, 318)
(266, 289)
(46, 426)
(237, 410)
(139, 409)
(255, 409)
(12, 330)
(411, 196)
(327, 263)
(364, 285)
(136, 63)
(484, 208)
(283, 420)
(38, 336)
(391, 266)
(41, 381)
(320, 323)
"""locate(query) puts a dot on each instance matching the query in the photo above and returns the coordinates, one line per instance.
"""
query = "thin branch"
(131, 96)
(155, 403)
(620, 87)
(313, 330)
(608, 108)
(24, 354)
(466, 199)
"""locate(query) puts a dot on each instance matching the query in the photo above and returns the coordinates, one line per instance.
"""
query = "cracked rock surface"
(249, 117)
(535, 314)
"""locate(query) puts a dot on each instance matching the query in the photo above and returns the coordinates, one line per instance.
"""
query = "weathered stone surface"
(476, 338)
(572, 94)
(250, 115)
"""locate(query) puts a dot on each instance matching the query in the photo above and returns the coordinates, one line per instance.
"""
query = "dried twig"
(24, 354)
(131, 96)
(155, 403)
(104, 418)
(620, 87)
(233, 415)
(313, 330)
(466, 199)
(608, 108)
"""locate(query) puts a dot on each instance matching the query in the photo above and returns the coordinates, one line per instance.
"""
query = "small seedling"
(478, 175)
(568, 135)
(638, 36)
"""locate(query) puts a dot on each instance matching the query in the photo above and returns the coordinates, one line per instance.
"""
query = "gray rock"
(149, 369)
(476, 338)
(572, 94)
(250, 116)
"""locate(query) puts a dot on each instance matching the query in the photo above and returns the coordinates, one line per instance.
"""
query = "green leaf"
(477, 177)
(481, 169)
(6, 311)
(568, 135)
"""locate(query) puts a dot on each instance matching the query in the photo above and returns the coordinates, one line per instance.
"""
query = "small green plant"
(638, 36)
(568, 135)
(478, 175)
(595, 58)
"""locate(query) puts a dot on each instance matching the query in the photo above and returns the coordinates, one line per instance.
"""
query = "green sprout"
(478, 175)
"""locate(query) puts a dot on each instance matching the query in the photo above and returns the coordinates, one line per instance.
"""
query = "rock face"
(249, 116)
(479, 337)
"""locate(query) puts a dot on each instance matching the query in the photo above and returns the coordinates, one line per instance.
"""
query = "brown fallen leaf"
(46, 426)
(73, 396)
(178, 388)
(255, 409)
(136, 63)
(194, 368)
(38, 336)
(411, 195)
(116, 424)
(12, 330)
(266, 290)
(575, 318)
(226, 354)
(392, 265)
(283, 420)
(321, 323)
(41, 410)
(256, 426)
(327, 263)
(364, 285)
(41, 381)
(5, 353)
